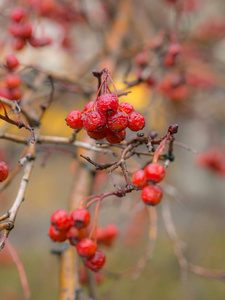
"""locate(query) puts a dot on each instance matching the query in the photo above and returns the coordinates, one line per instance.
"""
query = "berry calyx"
(86, 247)
(107, 104)
(4, 171)
(115, 137)
(75, 119)
(136, 121)
(151, 195)
(61, 220)
(139, 179)
(56, 235)
(95, 262)
(118, 121)
(125, 107)
(80, 217)
(155, 172)
(94, 121)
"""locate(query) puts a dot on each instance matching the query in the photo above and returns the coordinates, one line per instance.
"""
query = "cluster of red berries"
(4, 171)
(11, 85)
(106, 118)
(73, 227)
(22, 30)
(147, 179)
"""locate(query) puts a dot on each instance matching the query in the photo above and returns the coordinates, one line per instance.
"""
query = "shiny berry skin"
(75, 119)
(11, 62)
(95, 262)
(86, 247)
(4, 171)
(125, 107)
(136, 121)
(17, 14)
(12, 80)
(115, 137)
(56, 235)
(155, 172)
(61, 220)
(80, 217)
(94, 121)
(74, 235)
(97, 135)
(107, 104)
(89, 106)
(139, 179)
(151, 195)
(117, 121)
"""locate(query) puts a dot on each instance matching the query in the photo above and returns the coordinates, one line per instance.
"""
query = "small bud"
(173, 128)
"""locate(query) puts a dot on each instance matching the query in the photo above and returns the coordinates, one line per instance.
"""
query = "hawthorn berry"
(10, 62)
(17, 14)
(96, 261)
(18, 43)
(94, 121)
(39, 42)
(15, 94)
(89, 106)
(61, 220)
(139, 179)
(80, 217)
(125, 107)
(110, 233)
(118, 121)
(115, 137)
(4, 171)
(155, 172)
(86, 247)
(107, 104)
(75, 119)
(12, 80)
(136, 121)
(56, 235)
(151, 195)
(97, 135)
(74, 235)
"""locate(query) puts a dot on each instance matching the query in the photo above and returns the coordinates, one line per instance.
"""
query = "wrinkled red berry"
(151, 195)
(139, 179)
(10, 62)
(89, 106)
(117, 121)
(75, 119)
(74, 235)
(97, 135)
(80, 217)
(94, 121)
(12, 80)
(4, 171)
(107, 104)
(61, 220)
(86, 247)
(95, 262)
(56, 235)
(115, 137)
(15, 94)
(125, 107)
(136, 121)
(155, 172)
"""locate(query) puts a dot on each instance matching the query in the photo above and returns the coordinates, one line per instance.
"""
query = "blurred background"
(184, 86)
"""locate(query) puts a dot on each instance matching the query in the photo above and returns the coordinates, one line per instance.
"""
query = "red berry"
(74, 235)
(174, 49)
(5, 92)
(39, 42)
(141, 59)
(136, 121)
(75, 119)
(169, 60)
(17, 14)
(115, 137)
(86, 247)
(89, 106)
(56, 235)
(18, 43)
(11, 62)
(151, 195)
(150, 80)
(12, 80)
(94, 121)
(107, 104)
(15, 94)
(80, 217)
(117, 121)
(97, 135)
(139, 179)
(95, 262)
(61, 220)
(125, 107)
(155, 172)
(4, 171)
(110, 233)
